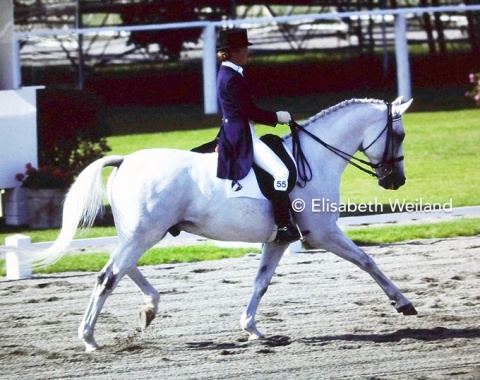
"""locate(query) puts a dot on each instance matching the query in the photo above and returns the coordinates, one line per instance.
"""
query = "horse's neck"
(343, 129)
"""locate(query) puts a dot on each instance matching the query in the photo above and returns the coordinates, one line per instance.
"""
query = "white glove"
(284, 117)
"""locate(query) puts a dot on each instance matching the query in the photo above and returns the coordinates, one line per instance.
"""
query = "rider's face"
(239, 55)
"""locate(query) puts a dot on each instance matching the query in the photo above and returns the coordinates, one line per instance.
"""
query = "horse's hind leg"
(337, 243)
(107, 280)
(150, 295)
(271, 255)
(122, 262)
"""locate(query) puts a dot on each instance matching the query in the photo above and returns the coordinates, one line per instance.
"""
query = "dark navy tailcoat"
(235, 147)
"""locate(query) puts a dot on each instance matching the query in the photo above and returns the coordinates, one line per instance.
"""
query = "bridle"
(385, 167)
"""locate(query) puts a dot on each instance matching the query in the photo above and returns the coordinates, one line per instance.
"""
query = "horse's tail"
(81, 205)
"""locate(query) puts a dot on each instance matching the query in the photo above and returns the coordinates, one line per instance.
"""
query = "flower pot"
(45, 207)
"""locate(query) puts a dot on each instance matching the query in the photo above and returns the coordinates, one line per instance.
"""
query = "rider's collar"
(238, 69)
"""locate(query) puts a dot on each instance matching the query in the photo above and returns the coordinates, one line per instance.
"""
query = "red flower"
(46, 177)
(58, 173)
(30, 169)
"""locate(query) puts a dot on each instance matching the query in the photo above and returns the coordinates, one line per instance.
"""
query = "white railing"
(209, 39)
(13, 258)
(16, 244)
(15, 272)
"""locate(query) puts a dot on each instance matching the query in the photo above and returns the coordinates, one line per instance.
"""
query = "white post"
(8, 52)
(210, 70)
(16, 269)
(401, 54)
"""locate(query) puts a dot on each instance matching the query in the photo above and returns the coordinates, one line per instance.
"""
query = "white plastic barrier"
(24, 242)
(13, 259)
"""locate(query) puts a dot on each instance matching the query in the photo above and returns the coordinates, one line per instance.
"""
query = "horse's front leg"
(339, 244)
(271, 255)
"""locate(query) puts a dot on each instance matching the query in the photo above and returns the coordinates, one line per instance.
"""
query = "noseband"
(384, 167)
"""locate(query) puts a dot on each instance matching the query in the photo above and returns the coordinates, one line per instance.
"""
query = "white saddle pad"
(246, 187)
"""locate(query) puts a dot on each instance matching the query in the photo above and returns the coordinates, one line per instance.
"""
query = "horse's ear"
(399, 109)
(397, 101)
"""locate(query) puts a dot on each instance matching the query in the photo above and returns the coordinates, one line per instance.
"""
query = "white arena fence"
(14, 272)
(209, 38)
(18, 241)
(12, 259)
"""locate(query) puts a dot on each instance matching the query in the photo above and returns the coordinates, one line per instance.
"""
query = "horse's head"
(383, 145)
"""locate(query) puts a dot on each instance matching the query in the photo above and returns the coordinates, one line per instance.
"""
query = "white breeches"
(264, 157)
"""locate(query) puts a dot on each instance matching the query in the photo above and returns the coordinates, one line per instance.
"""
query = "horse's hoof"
(91, 346)
(407, 309)
(146, 317)
(253, 337)
(254, 334)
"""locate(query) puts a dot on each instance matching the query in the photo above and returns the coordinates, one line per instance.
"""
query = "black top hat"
(230, 38)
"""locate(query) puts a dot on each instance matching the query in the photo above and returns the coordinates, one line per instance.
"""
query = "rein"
(305, 171)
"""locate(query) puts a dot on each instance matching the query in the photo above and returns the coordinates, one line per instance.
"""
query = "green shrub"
(71, 133)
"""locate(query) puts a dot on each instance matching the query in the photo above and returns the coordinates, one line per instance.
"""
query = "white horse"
(155, 191)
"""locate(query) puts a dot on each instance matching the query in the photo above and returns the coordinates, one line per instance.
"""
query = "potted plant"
(45, 189)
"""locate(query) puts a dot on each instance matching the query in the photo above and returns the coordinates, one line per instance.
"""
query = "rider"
(239, 147)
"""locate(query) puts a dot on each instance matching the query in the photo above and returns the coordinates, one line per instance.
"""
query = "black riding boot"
(287, 232)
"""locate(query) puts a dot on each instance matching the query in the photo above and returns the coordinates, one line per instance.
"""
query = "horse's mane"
(339, 106)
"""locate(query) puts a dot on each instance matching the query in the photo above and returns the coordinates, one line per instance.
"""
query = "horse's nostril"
(392, 182)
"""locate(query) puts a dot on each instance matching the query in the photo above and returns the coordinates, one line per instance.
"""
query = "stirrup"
(302, 233)
(290, 233)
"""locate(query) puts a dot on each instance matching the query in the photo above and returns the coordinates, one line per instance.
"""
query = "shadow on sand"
(437, 333)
